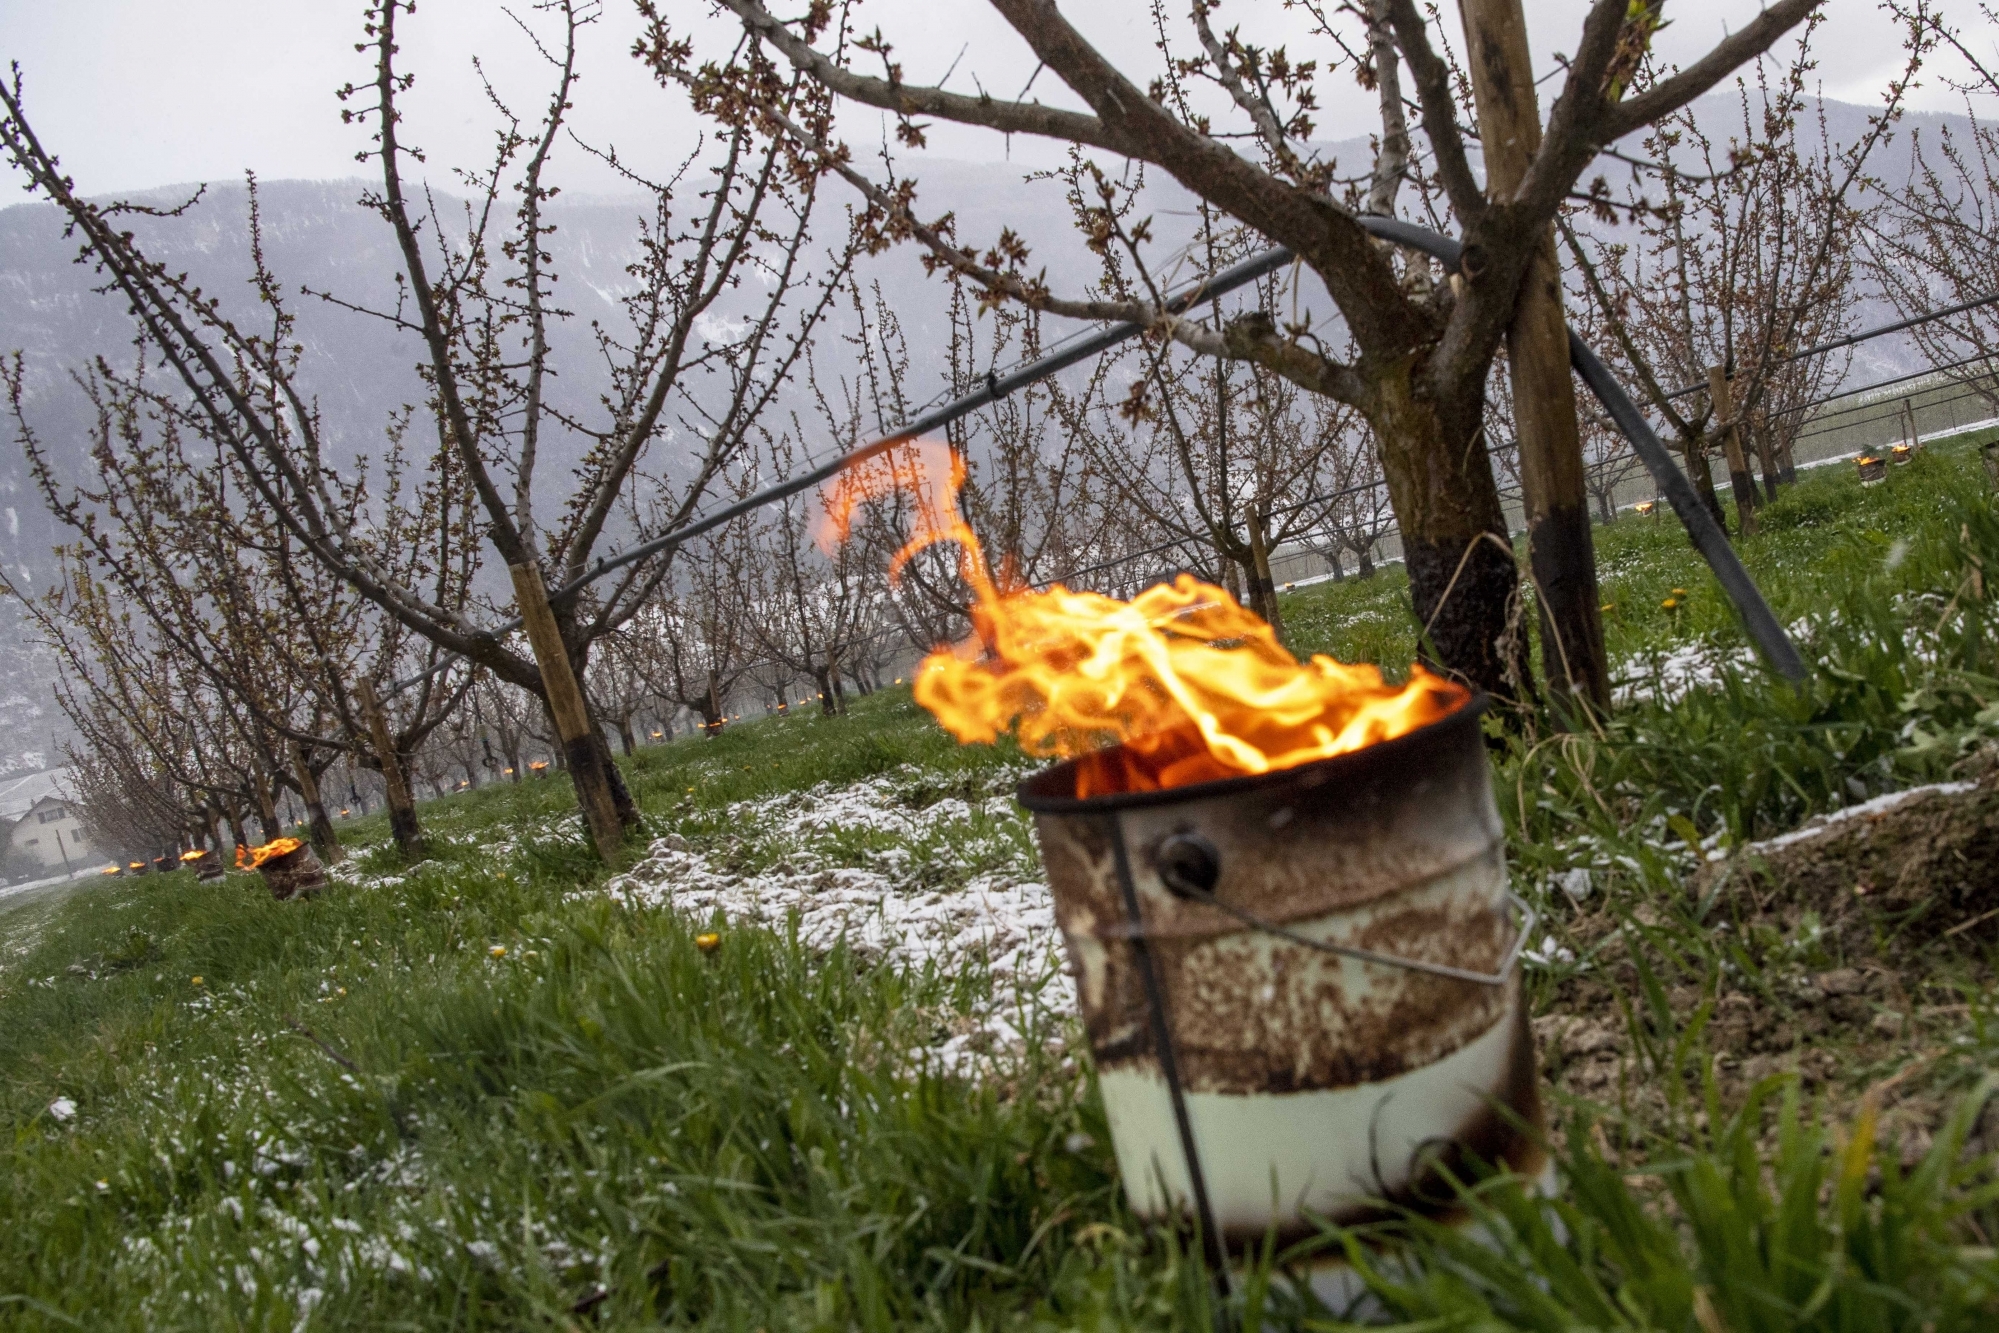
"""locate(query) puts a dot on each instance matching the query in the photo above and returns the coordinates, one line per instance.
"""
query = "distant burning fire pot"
(205, 864)
(1301, 986)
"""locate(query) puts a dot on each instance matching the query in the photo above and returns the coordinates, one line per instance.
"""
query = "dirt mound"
(1928, 855)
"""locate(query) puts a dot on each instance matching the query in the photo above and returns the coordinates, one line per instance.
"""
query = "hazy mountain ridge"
(359, 370)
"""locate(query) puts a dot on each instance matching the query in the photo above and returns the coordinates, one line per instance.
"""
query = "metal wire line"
(1864, 335)
(996, 387)
(1080, 347)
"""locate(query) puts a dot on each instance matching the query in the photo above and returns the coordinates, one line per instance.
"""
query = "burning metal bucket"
(1300, 987)
(205, 864)
(293, 872)
(1873, 471)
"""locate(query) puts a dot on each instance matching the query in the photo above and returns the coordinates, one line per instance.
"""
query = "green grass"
(363, 1116)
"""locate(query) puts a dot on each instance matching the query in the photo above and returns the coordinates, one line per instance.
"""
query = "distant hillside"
(317, 236)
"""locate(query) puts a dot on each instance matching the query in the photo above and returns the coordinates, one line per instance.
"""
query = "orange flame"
(271, 851)
(1191, 685)
(194, 855)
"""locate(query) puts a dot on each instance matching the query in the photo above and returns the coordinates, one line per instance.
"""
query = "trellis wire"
(1077, 347)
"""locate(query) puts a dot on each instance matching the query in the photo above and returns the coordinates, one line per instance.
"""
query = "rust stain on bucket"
(1344, 1080)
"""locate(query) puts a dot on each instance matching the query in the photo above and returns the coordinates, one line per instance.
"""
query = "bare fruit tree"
(221, 582)
(478, 310)
(1418, 355)
(1746, 256)
(1932, 246)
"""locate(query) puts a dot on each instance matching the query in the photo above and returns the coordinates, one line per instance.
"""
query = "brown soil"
(1907, 899)
(1933, 860)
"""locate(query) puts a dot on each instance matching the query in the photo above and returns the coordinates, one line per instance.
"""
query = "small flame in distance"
(1186, 684)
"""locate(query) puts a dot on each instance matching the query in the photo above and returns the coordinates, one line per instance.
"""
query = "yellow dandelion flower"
(498, 951)
(197, 981)
(708, 943)
(1670, 603)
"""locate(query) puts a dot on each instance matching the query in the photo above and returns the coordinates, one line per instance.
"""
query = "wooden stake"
(1561, 552)
(587, 758)
(402, 810)
(1738, 466)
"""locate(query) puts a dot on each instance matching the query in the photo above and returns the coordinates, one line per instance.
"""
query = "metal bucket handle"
(1187, 858)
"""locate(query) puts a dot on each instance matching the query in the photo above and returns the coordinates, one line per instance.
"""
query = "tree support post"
(587, 757)
(1553, 480)
(402, 810)
(323, 836)
(1739, 479)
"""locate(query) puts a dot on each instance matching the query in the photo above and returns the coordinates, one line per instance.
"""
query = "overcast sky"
(140, 93)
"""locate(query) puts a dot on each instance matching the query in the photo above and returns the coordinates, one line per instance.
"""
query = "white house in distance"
(49, 834)
(39, 831)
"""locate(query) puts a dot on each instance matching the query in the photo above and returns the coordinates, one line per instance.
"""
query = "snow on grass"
(944, 886)
(1671, 676)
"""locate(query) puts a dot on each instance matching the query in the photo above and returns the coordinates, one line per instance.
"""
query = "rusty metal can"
(1300, 987)
(296, 874)
(205, 864)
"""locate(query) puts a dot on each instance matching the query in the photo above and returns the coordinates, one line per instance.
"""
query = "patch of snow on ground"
(1004, 917)
(1670, 678)
(1824, 824)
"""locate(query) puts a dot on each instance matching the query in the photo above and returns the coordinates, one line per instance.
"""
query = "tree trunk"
(1694, 455)
(1553, 486)
(621, 796)
(1766, 458)
(1266, 584)
(1787, 466)
(589, 758)
(1462, 576)
(403, 823)
(323, 836)
(267, 809)
(1739, 479)
(1231, 574)
(236, 831)
(625, 738)
(711, 708)
(819, 678)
